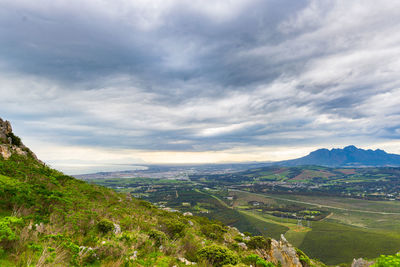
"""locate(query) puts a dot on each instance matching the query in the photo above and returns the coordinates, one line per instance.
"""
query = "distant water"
(74, 169)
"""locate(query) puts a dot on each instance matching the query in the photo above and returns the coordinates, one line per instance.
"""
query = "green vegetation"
(217, 255)
(105, 226)
(15, 140)
(257, 261)
(388, 261)
(50, 219)
(331, 228)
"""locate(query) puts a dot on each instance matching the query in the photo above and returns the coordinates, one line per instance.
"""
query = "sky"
(96, 83)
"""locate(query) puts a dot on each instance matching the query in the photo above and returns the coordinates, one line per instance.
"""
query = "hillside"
(50, 219)
(349, 156)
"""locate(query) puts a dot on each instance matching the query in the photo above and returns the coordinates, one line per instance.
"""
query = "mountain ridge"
(349, 156)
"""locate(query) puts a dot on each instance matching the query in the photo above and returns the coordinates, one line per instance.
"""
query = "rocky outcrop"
(361, 263)
(5, 151)
(5, 130)
(282, 251)
(10, 143)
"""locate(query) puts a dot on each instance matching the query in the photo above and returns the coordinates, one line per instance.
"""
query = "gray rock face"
(7, 148)
(117, 229)
(361, 263)
(242, 245)
(5, 129)
(282, 251)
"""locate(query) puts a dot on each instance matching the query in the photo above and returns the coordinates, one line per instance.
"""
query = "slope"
(50, 219)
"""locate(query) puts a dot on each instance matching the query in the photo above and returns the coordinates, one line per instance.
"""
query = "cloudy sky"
(100, 82)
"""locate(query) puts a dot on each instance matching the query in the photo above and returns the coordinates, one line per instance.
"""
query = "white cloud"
(164, 81)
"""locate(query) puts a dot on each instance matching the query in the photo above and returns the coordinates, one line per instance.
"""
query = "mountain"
(349, 156)
(51, 219)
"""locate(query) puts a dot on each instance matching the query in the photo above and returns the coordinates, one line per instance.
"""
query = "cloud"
(205, 77)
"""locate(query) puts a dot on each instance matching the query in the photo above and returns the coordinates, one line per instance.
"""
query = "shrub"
(238, 239)
(173, 228)
(15, 140)
(213, 231)
(157, 236)
(190, 245)
(387, 261)
(258, 242)
(7, 225)
(105, 226)
(217, 255)
(247, 234)
(255, 260)
(304, 259)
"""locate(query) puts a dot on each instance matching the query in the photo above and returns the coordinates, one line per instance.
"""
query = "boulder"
(361, 263)
(282, 251)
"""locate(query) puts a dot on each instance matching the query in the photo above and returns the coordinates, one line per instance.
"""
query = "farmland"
(303, 203)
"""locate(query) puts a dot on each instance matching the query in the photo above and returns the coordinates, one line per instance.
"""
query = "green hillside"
(48, 218)
(51, 219)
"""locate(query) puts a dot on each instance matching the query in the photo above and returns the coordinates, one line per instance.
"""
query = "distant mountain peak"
(351, 148)
(349, 156)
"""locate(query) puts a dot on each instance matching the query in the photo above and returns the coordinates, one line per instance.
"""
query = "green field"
(344, 234)
(349, 228)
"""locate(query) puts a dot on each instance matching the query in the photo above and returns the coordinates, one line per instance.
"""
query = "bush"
(15, 140)
(213, 231)
(259, 242)
(217, 255)
(388, 261)
(173, 228)
(105, 226)
(7, 225)
(157, 236)
(304, 259)
(257, 261)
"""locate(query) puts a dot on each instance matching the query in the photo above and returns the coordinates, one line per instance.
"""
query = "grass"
(341, 237)
(55, 217)
(335, 243)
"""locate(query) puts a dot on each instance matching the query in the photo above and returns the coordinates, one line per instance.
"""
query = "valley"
(304, 203)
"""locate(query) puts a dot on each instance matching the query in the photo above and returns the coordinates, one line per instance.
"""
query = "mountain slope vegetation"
(51, 219)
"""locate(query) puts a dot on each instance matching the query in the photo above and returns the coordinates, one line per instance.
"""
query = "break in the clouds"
(156, 80)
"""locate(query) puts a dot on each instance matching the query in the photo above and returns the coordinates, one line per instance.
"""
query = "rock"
(40, 228)
(246, 238)
(117, 229)
(242, 245)
(5, 151)
(5, 127)
(361, 263)
(284, 253)
(283, 239)
(190, 223)
(186, 262)
(7, 148)
(133, 256)
(187, 214)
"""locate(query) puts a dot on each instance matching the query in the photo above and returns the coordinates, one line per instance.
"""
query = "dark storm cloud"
(200, 76)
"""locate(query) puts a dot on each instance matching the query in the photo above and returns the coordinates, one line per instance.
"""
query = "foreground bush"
(217, 255)
(388, 261)
(105, 226)
(259, 242)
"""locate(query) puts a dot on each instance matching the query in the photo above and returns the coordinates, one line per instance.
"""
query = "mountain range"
(350, 156)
